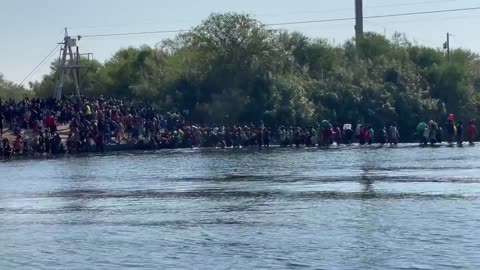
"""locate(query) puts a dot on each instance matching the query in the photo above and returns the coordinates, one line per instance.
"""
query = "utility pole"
(71, 64)
(446, 46)
(358, 20)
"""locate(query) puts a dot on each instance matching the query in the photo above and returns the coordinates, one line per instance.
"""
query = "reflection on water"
(405, 208)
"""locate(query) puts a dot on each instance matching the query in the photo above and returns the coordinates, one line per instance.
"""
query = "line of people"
(327, 134)
(432, 133)
(70, 125)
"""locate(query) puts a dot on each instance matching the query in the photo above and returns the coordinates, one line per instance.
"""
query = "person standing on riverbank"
(51, 123)
(6, 149)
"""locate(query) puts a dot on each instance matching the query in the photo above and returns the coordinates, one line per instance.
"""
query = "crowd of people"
(72, 125)
(326, 134)
(432, 133)
(49, 126)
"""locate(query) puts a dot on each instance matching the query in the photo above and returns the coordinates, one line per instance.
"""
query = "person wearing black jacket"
(460, 132)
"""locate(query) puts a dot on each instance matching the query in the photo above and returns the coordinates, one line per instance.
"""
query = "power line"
(263, 15)
(39, 64)
(377, 16)
(48, 60)
(349, 9)
(296, 22)
(134, 33)
(416, 20)
(410, 4)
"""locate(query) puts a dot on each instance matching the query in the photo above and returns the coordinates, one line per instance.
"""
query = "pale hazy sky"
(30, 29)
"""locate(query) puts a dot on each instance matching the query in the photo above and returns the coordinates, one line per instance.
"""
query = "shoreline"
(130, 148)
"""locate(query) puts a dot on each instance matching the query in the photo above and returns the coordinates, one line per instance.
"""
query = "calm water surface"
(403, 208)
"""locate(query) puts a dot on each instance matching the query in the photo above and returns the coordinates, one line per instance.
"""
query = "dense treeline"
(10, 90)
(234, 69)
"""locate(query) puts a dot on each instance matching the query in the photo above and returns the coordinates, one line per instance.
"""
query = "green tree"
(233, 69)
(10, 90)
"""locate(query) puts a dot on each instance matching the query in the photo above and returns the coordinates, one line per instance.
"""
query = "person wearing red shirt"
(472, 132)
(364, 135)
(50, 122)
(338, 135)
(327, 135)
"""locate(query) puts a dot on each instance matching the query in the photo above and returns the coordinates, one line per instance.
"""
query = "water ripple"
(349, 208)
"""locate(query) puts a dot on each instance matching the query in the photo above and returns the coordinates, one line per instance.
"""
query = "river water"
(401, 208)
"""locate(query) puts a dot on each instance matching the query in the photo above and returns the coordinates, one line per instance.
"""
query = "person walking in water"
(450, 126)
(358, 130)
(434, 132)
(393, 135)
(460, 132)
(347, 134)
(364, 135)
(371, 135)
(382, 136)
(472, 132)
(337, 137)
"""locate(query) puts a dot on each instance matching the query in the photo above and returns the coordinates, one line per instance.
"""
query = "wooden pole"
(358, 20)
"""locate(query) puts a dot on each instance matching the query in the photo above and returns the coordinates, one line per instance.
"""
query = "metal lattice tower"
(69, 61)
